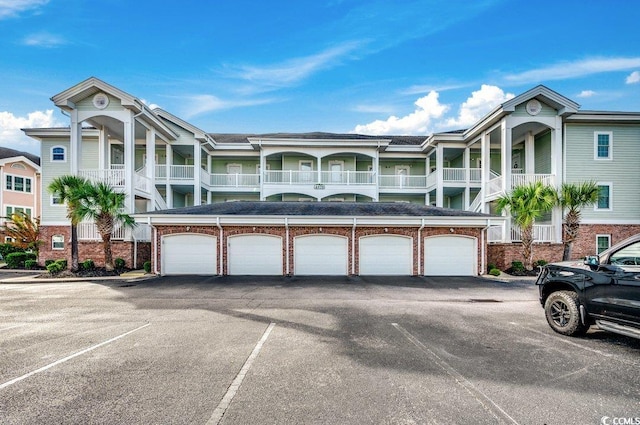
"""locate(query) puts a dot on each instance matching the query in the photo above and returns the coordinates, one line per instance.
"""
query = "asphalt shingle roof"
(10, 153)
(359, 209)
(242, 138)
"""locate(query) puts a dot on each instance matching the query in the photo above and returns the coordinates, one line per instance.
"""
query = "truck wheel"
(563, 314)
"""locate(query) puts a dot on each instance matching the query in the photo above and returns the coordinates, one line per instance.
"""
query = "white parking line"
(86, 350)
(487, 403)
(235, 385)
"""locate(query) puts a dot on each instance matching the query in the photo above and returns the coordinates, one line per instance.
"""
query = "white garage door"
(255, 255)
(320, 255)
(386, 255)
(189, 254)
(450, 256)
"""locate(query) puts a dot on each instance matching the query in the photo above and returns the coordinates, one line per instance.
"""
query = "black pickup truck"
(603, 290)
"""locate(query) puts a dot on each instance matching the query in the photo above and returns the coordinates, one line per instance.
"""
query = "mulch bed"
(97, 272)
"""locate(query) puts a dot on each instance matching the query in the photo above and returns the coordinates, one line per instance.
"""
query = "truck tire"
(563, 313)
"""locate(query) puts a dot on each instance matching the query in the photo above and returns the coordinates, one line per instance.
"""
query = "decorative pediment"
(98, 91)
(539, 95)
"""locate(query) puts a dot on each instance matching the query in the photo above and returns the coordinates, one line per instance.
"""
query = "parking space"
(239, 350)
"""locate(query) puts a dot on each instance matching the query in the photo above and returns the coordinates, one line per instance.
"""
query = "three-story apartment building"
(163, 162)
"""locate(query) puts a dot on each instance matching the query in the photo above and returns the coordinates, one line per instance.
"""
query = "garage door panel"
(255, 255)
(386, 255)
(450, 256)
(321, 255)
(189, 254)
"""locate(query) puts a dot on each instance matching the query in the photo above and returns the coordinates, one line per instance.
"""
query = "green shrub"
(147, 266)
(494, 272)
(31, 256)
(88, 265)
(30, 264)
(57, 266)
(47, 262)
(7, 248)
(541, 263)
(15, 260)
(517, 266)
(118, 263)
(490, 267)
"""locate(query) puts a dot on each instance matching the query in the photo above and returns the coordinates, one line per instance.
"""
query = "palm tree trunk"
(527, 244)
(568, 248)
(75, 264)
(108, 256)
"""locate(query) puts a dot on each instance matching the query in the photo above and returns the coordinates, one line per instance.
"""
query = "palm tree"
(526, 203)
(101, 204)
(574, 197)
(70, 190)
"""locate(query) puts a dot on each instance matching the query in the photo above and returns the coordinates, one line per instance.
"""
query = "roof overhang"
(381, 143)
(20, 158)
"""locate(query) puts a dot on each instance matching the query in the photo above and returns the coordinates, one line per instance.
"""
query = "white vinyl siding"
(542, 154)
(90, 152)
(51, 170)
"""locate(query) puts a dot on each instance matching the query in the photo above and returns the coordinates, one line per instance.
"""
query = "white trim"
(13, 183)
(610, 185)
(13, 211)
(64, 151)
(300, 162)
(53, 247)
(595, 145)
(234, 164)
(603, 236)
(397, 168)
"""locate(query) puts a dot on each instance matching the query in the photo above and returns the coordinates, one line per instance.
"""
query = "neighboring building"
(20, 177)
(163, 162)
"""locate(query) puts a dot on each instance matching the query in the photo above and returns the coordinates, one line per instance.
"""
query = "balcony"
(402, 182)
(541, 233)
(114, 177)
(461, 175)
(231, 181)
(291, 177)
(174, 172)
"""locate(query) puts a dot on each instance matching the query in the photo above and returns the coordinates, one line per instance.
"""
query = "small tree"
(574, 197)
(526, 203)
(100, 203)
(70, 190)
(24, 230)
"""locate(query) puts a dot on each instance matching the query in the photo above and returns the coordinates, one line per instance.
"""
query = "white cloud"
(11, 135)
(586, 93)
(44, 39)
(417, 122)
(202, 103)
(150, 105)
(430, 114)
(478, 105)
(567, 70)
(633, 78)
(12, 8)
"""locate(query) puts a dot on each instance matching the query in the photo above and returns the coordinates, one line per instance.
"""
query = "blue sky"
(375, 67)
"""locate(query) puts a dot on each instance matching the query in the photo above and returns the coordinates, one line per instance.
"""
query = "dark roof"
(10, 153)
(359, 209)
(242, 138)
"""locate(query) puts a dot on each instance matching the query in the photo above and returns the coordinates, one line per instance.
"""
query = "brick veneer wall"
(90, 250)
(503, 254)
(585, 244)
(295, 231)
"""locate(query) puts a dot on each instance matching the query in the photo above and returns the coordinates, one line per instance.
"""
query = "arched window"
(58, 153)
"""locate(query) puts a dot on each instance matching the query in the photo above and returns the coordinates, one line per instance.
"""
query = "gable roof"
(6, 153)
(564, 105)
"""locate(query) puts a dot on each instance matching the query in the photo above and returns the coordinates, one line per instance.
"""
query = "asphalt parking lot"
(343, 350)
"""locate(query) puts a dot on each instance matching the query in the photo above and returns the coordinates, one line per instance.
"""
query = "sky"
(410, 67)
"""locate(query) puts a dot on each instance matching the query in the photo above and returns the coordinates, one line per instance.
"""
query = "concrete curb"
(135, 275)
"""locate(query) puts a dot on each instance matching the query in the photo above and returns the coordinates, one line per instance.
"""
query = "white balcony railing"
(462, 175)
(112, 177)
(234, 180)
(402, 182)
(88, 231)
(291, 177)
(541, 233)
(174, 172)
(524, 179)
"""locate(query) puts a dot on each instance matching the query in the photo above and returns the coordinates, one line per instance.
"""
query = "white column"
(103, 149)
(485, 164)
(150, 166)
(439, 176)
(319, 172)
(169, 162)
(263, 173)
(129, 163)
(197, 167)
(556, 171)
(208, 163)
(505, 156)
(75, 147)
(529, 154)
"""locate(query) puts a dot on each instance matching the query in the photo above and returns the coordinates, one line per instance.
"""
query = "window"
(604, 196)
(602, 242)
(58, 154)
(57, 242)
(9, 239)
(17, 210)
(18, 184)
(18, 166)
(602, 145)
(56, 200)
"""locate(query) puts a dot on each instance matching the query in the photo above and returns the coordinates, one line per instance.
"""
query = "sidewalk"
(133, 275)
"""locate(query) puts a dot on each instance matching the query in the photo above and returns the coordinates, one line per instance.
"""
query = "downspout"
(154, 245)
(483, 251)
(420, 247)
(221, 257)
(135, 250)
(353, 247)
(286, 227)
